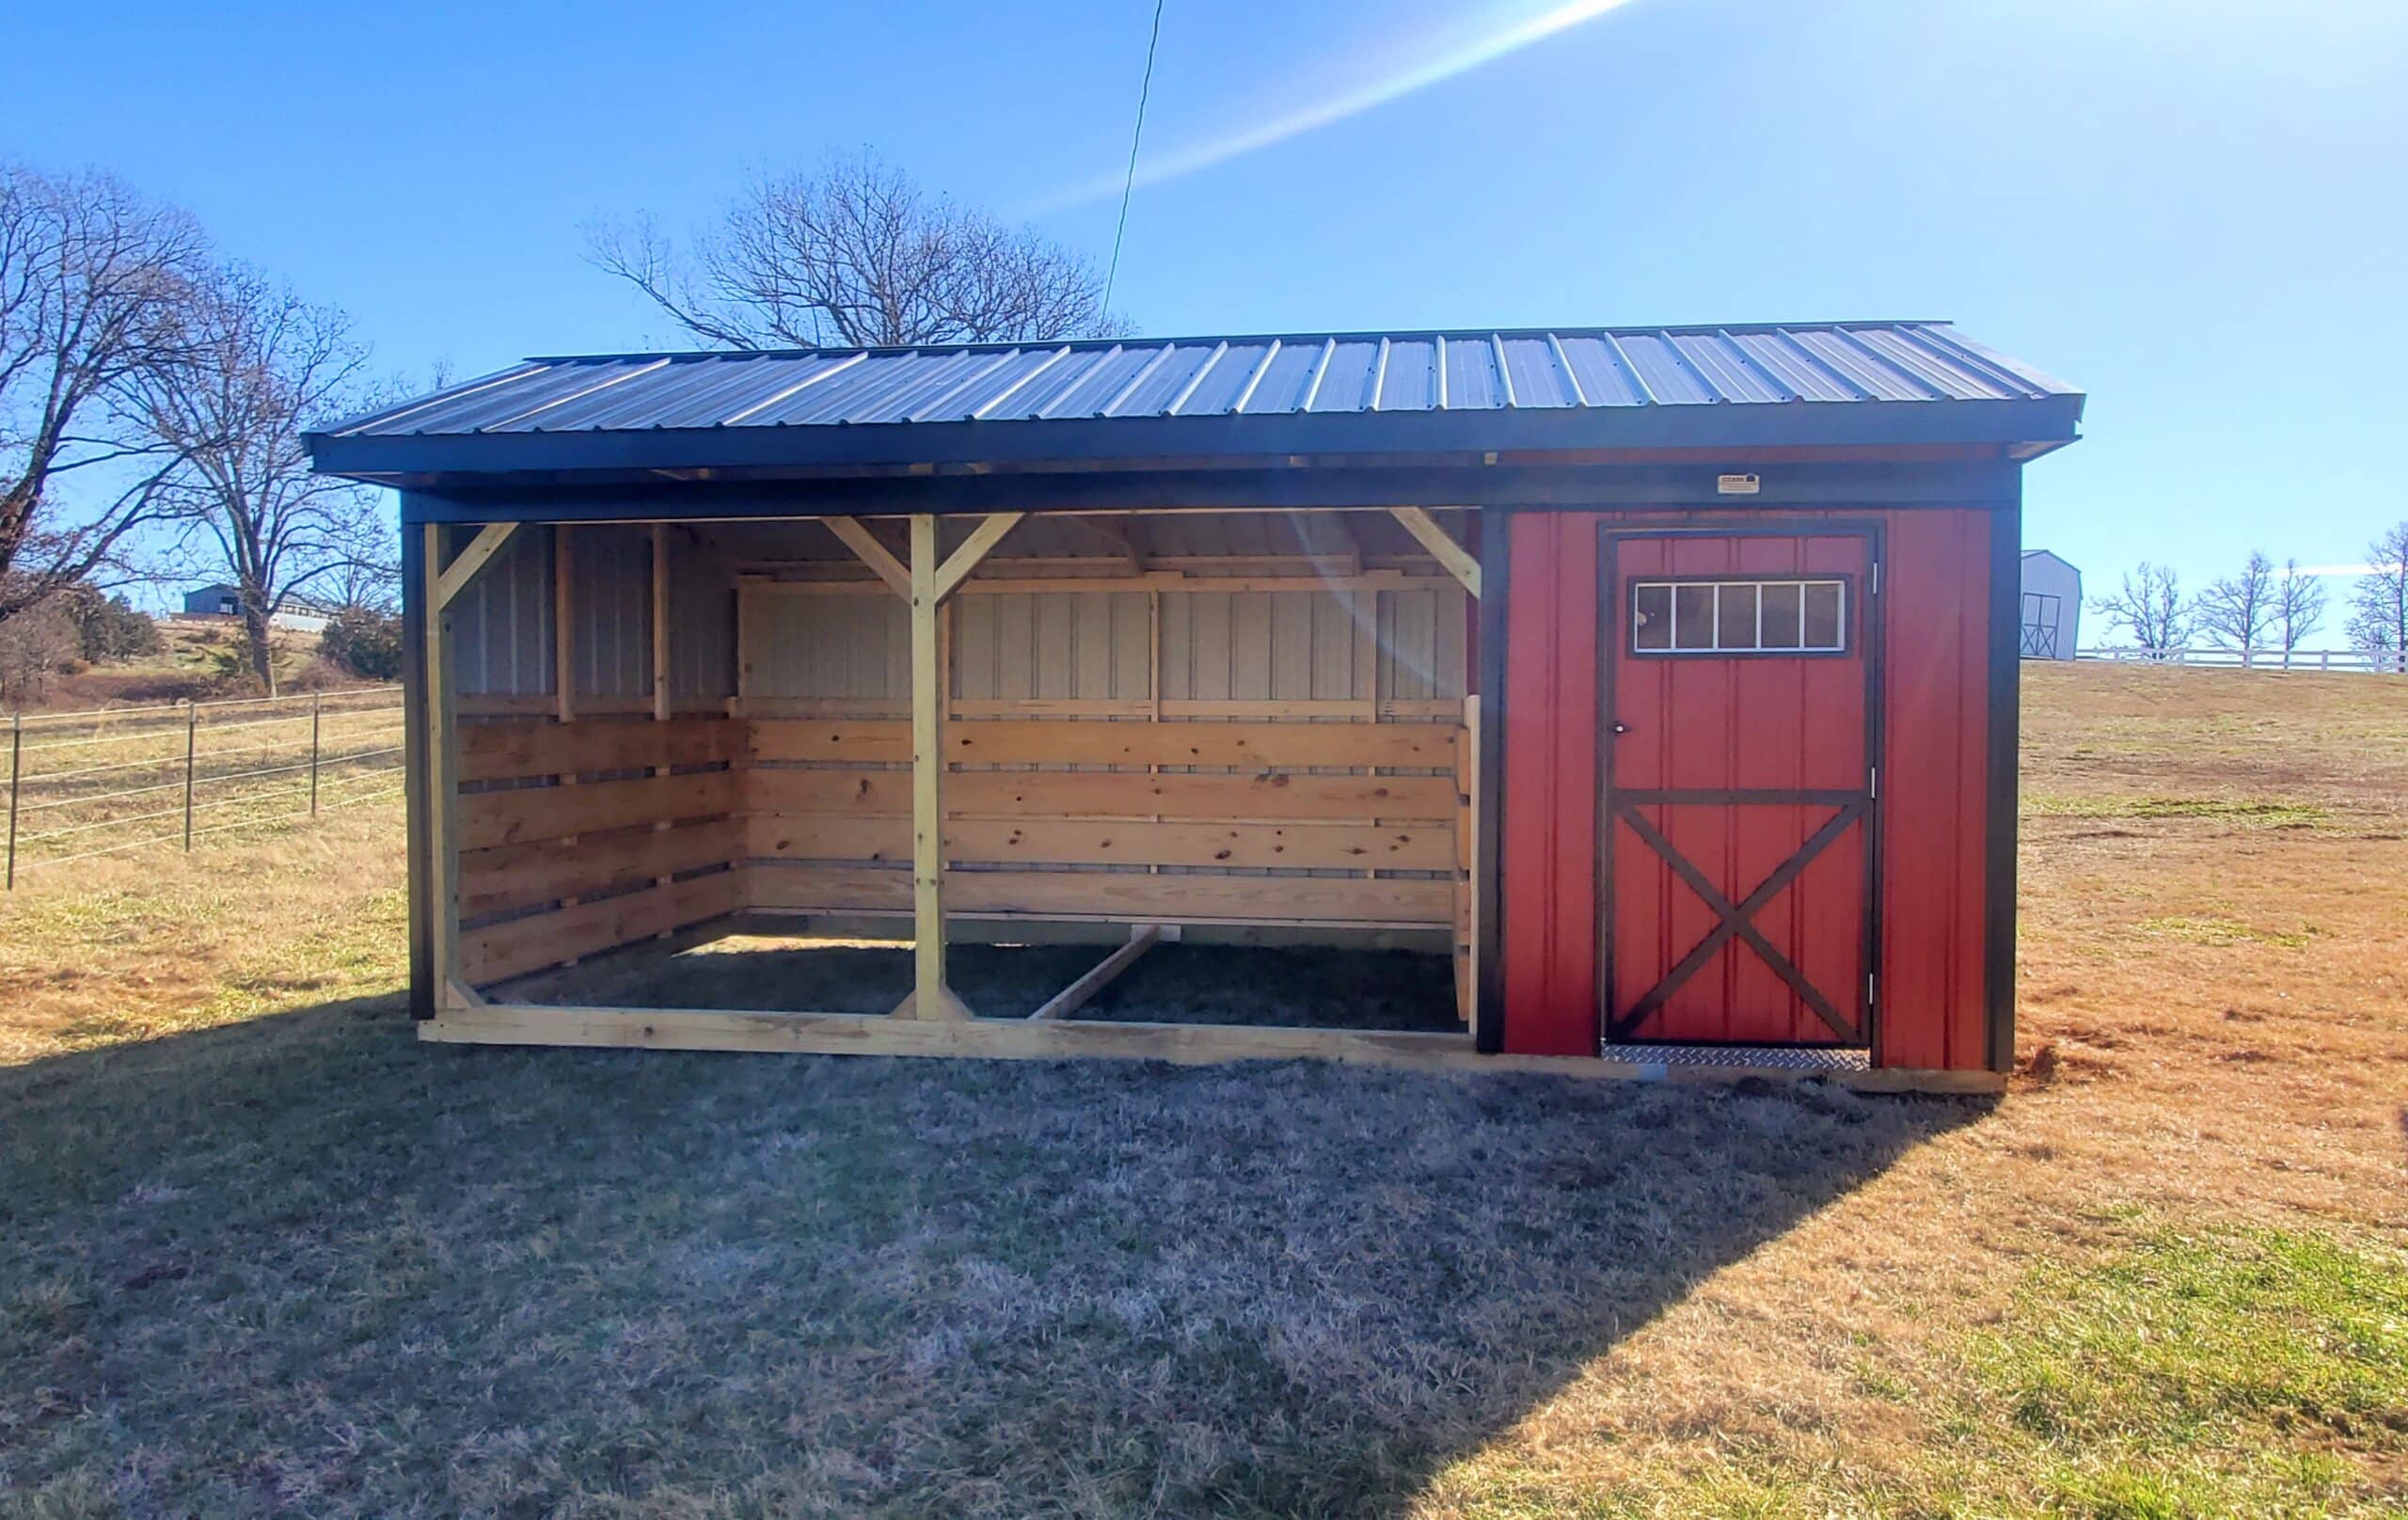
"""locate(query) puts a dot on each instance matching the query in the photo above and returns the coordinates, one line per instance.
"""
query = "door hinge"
(1868, 991)
(1877, 578)
(1872, 782)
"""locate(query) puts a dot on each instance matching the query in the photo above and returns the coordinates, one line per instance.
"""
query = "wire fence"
(102, 782)
(2379, 661)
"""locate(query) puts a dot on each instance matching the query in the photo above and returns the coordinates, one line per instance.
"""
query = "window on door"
(1784, 616)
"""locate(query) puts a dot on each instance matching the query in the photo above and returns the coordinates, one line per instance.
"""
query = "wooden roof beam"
(1457, 561)
(855, 535)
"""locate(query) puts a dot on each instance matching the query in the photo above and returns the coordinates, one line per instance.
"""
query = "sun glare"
(1506, 29)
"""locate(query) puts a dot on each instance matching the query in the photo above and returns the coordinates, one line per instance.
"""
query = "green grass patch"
(2212, 930)
(2257, 814)
(2220, 1372)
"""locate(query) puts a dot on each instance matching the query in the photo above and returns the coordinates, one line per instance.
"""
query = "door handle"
(1622, 728)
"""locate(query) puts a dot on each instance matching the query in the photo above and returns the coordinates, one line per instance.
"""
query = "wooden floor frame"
(1011, 1039)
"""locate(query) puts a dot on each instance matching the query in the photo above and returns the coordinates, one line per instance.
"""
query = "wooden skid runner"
(836, 1034)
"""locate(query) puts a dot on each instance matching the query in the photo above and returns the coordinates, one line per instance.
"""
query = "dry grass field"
(260, 1252)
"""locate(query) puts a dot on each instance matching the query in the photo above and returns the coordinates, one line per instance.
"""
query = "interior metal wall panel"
(818, 648)
(611, 608)
(501, 626)
(701, 632)
(1053, 645)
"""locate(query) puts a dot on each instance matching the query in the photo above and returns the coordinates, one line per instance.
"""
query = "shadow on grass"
(310, 1263)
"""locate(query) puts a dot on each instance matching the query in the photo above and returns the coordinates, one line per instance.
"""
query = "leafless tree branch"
(2238, 611)
(267, 365)
(96, 288)
(2379, 603)
(2150, 605)
(855, 255)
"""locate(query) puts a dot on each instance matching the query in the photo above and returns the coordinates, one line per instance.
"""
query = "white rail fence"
(2381, 661)
(118, 779)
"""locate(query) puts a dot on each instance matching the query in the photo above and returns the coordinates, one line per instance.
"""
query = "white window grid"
(1676, 643)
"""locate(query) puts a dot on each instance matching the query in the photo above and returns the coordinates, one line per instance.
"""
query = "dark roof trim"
(1961, 483)
(769, 451)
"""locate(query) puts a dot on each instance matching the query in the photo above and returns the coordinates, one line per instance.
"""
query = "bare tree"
(2379, 606)
(855, 255)
(2238, 611)
(95, 287)
(39, 642)
(2151, 605)
(366, 585)
(268, 365)
(2299, 607)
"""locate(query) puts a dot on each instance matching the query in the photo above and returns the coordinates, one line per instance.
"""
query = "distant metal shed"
(2051, 617)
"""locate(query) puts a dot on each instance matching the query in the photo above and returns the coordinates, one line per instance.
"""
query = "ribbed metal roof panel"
(1773, 365)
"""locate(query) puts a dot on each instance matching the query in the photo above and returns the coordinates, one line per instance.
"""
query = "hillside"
(201, 659)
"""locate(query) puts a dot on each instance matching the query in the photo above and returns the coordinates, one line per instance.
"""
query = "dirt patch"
(1171, 984)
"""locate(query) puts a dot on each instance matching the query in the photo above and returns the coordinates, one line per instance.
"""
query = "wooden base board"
(847, 1034)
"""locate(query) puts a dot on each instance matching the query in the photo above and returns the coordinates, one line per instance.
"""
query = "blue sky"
(2198, 213)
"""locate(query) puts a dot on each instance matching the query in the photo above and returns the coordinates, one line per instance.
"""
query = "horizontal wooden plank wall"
(1258, 748)
(829, 819)
(1232, 746)
(585, 835)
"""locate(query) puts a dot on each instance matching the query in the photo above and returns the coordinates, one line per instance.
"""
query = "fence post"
(192, 731)
(16, 759)
(316, 702)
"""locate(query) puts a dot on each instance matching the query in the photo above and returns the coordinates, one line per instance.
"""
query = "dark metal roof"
(1356, 392)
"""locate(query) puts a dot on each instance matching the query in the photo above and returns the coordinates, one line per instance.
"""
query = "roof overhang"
(2022, 428)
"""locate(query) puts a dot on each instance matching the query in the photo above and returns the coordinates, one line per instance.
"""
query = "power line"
(1136, 135)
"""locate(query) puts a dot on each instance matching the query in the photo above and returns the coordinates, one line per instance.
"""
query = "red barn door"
(1741, 738)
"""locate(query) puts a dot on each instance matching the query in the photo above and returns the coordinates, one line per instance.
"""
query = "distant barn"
(2052, 607)
(222, 600)
(1667, 676)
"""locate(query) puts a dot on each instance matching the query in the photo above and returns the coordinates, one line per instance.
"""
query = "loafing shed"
(1666, 677)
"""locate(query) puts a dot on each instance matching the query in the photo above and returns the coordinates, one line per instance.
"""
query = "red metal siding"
(1547, 858)
(1935, 594)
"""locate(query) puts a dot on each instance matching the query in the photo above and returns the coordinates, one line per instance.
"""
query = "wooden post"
(1467, 863)
(192, 731)
(660, 622)
(563, 639)
(661, 665)
(931, 997)
(317, 705)
(16, 765)
(440, 721)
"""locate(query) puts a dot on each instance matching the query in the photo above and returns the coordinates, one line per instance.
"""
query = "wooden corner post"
(440, 782)
(443, 585)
